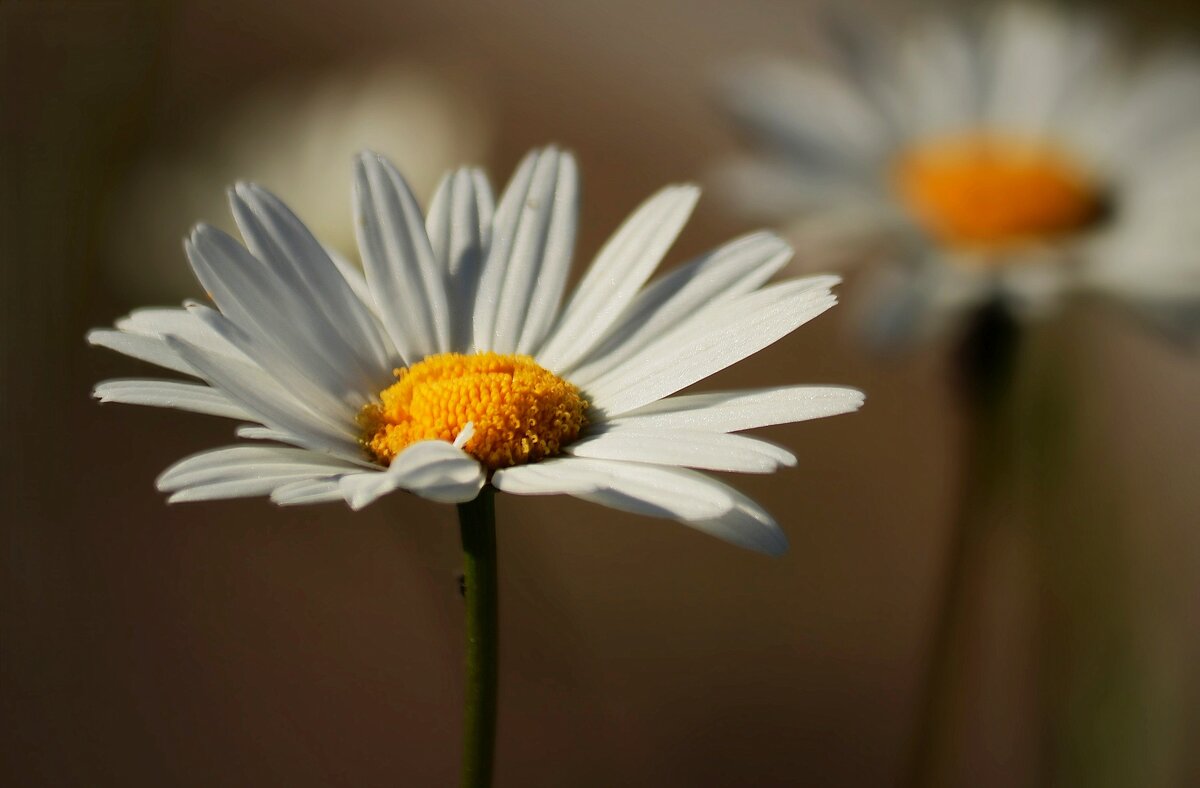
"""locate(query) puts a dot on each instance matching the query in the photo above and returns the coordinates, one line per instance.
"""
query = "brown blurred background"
(239, 644)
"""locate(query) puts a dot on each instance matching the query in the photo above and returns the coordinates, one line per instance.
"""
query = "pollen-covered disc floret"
(521, 412)
(981, 190)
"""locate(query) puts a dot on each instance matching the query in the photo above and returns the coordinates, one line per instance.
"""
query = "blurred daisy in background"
(989, 165)
(1011, 158)
(301, 138)
(454, 363)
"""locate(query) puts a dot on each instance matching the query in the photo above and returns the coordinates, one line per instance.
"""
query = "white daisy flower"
(454, 362)
(1018, 159)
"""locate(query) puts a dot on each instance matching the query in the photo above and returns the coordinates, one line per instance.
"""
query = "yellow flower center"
(521, 412)
(985, 191)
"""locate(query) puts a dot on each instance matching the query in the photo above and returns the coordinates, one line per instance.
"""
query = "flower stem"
(986, 366)
(477, 520)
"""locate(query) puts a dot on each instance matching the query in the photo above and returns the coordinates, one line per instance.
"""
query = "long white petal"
(250, 487)
(1037, 58)
(713, 340)
(194, 397)
(645, 489)
(261, 396)
(254, 432)
(401, 269)
(526, 268)
(322, 394)
(357, 283)
(431, 469)
(714, 451)
(244, 471)
(278, 326)
(736, 268)
(150, 349)
(179, 322)
(355, 280)
(235, 462)
(747, 525)
(618, 273)
(307, 491)
(687, 496)
(562, 476)
(140, 335)
(459, 224)
(281, 241)
(940, 78)
(491, 277)
(732, 411)
(806, 113)
(551, 243)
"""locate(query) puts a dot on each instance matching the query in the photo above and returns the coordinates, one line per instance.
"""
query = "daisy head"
(461, 360)
(1010, 157)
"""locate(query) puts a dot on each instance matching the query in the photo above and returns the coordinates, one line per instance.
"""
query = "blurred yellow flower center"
(987, 191)
(521, 412)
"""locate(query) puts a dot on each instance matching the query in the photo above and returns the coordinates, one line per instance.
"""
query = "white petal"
(243, 471)
(736, 268)
(255, 433)
(940, 75)
(404, 276)
(643, 489)
(714, 339)
(1038, 57)
(687, 496)
(279, 328)
(1161, 103)
(1035, 287)
(747, 525)
(307, 491)
(179, 322)
(249, 487)
(562, 476)
(355, 280)
(532, 241)
(261, 396)
(744, 410)
(357, 283)
(805, 112)
(551, 243)
(151, 349)
(233, 462)
(491, 278)
(618, 273)
(714, 451)
(459, 224)
(281, 241)
(296, 374)
(194, 397)
(140, 335)
(431, 469)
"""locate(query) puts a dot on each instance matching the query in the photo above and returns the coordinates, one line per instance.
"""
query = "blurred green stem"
(985, 366)
(1111, 706)
(477, 521)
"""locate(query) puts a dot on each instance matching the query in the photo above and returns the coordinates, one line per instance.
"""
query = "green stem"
(986, 366)
(477, 520)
